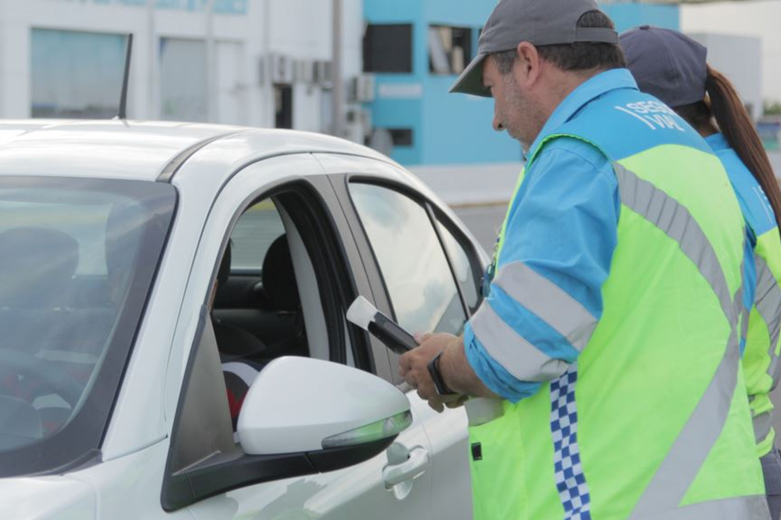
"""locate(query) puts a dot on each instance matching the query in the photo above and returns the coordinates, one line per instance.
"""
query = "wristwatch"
(439, 382)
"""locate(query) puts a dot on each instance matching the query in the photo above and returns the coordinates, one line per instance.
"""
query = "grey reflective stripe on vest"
(675, 475)
(738, 508)
(745, 317)
(519, 357)
(547, 301)
(673, 478)
(673, 219)
(768, 302)
(763, 423)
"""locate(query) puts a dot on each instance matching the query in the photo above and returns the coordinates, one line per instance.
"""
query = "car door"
(429, 273)
(329, 274)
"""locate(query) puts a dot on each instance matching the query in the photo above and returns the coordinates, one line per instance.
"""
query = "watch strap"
(436, 376)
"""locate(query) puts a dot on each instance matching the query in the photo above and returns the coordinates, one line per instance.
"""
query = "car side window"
(415, 269)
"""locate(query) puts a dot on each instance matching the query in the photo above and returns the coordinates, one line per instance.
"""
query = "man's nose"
(498, 126)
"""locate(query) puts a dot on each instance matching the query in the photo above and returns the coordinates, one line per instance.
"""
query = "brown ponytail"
(735, 123)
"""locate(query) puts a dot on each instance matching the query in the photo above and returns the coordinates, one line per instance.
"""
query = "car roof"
(142, 150)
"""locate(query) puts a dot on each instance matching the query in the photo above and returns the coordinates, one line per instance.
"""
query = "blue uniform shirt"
(752, 199)
(563, 224)
(754, 205)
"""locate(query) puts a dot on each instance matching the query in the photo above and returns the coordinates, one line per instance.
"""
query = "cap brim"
(471, 80)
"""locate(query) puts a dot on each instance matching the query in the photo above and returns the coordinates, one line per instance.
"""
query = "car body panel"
(111, 149)
(349, 494)
(48, 498)
(128, 487)
(141, 150)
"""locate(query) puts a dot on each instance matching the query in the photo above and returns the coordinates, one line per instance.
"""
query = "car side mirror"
(307, 405)
(300, 417)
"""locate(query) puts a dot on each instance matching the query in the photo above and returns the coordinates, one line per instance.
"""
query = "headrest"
(279, 279)
(36, 264)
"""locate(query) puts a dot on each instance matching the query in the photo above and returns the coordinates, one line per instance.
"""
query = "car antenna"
(123, 100)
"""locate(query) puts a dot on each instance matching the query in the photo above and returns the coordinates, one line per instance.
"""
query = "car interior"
(267, 300)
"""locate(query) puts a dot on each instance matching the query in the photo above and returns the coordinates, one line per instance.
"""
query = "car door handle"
(413, 467)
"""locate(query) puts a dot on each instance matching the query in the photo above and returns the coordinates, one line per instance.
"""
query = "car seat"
(281, 295)
(233, 342)
(240, 351)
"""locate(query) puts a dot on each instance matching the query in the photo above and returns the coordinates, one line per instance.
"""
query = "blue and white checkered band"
(570, 480)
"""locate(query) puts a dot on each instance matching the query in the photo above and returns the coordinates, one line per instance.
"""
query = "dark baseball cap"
(666, 64)
(539, 22)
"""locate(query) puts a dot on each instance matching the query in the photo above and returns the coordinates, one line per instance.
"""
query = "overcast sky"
(748, 18)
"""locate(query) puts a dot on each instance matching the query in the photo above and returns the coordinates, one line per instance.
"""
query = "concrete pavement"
(483, 221)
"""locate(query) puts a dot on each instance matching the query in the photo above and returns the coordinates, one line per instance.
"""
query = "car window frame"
(174, 491)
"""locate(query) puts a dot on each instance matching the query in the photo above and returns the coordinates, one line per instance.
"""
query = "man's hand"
(413, 367)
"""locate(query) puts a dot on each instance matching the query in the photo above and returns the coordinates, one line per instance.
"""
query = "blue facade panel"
(454, 128)
(627, 16)
(467, 13)
(458, 128)
(390, 11)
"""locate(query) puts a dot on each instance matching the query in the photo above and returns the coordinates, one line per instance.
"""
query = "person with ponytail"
(674, 68)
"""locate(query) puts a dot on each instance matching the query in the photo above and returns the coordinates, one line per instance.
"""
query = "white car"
(123, 318)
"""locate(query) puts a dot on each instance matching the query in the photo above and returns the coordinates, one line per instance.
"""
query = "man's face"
(513, 109)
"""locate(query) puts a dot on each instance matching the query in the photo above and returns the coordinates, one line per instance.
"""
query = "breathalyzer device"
(363, 314)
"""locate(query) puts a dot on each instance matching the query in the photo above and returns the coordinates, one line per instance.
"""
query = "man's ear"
(528, 64)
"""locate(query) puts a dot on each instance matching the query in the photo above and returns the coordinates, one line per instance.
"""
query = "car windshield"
(77, 261)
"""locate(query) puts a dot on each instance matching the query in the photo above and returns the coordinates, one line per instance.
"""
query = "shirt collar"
(585, 93)
(717, 142)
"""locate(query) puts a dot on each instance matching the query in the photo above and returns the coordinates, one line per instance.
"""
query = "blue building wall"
(454, 128)
(627, 16)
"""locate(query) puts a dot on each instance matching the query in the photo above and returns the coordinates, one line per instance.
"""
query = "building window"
(401, 136)
(183, 80)
(387, 48)
(449, 49)
(76, 74)
(283, 106)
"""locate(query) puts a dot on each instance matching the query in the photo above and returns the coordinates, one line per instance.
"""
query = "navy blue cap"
(666, 64)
